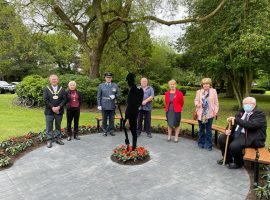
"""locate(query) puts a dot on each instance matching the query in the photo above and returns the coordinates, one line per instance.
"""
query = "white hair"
(53, 75)
(71, 82)
(252, 99)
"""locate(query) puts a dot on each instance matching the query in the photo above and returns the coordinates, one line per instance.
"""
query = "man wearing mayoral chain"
(54, 99)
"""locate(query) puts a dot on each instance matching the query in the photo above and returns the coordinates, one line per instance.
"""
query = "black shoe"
(49, 144)
(149, 135)
(59, 141)
(234, 166)
(77, 138)
(69, 138)
(105, 134)
(112, 134)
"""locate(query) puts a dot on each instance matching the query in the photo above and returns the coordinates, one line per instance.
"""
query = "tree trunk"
(229, 91)
(95, 58)
(235, 81)
(248, 77)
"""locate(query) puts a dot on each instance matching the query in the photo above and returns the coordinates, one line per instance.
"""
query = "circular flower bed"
(126, 156)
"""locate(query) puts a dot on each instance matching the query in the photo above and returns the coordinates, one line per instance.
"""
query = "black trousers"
(133, 129)
(235, 148)
(73, 113)
(146, 116)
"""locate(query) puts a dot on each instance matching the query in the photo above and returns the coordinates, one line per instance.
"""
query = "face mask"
(248, 107)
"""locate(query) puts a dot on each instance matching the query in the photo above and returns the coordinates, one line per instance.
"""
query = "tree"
(93, 22)
(59, 49)
(17, 51)
(233, 45)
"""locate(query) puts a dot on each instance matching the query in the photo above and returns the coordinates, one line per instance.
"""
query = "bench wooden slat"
(250, 154)
(187, 121)
(264, 156)
(115, 117)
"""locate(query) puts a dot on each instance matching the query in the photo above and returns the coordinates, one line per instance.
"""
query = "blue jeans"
(205, 134)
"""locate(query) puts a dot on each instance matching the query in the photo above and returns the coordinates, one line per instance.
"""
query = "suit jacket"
(255, 127)
(103, 98)
(68, 97)
(212, 100)
(178, 101)
(50, 102)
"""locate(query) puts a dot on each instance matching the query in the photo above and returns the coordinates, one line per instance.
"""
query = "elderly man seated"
(248, 130)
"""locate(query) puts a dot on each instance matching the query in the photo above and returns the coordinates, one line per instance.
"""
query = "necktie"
(239, 130)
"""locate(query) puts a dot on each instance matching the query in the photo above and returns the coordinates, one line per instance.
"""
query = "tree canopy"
(94, 22)
(231, 46)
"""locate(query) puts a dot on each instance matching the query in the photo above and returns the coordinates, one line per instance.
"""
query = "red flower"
(28, 136)
(62, 130)
(89, 126)
(124, 152)
(129, 148)
(13, 139)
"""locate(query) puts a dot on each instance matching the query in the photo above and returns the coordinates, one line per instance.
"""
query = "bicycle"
(25, 101)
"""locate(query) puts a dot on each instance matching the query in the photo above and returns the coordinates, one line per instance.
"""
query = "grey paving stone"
(83, 170)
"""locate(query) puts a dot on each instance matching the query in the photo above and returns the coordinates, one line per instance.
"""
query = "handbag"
(194, 115)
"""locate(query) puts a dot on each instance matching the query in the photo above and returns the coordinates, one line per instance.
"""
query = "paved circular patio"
(83, 170)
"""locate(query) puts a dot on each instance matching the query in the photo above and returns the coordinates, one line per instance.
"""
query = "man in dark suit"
(54, 99)
(248, 130)
(134, 101)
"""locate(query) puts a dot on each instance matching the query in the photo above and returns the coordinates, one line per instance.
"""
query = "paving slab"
(83, 170)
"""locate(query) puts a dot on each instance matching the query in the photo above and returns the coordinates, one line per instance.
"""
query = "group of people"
(55, 99)
(248, 125)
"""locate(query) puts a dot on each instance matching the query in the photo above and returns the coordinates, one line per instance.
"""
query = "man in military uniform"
(54, 99)
(107, 92)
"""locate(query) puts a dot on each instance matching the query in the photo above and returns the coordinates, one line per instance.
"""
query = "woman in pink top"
(206, 102)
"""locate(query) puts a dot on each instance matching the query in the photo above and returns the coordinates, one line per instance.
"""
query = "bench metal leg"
(98, 125)
(192, 131)
(121, 124)
(216, 136)
(256, 174)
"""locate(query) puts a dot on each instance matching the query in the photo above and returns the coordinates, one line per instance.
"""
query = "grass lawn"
(16, 120)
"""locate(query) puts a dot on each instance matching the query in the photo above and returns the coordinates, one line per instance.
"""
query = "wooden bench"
(115, 117)
(257, 156)
(191, 122)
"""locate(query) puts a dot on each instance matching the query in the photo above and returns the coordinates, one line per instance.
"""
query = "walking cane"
(227, 142)
(124, 124)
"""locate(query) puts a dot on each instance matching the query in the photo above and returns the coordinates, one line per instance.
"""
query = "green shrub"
(123, 86)
(4, 160)
(258, 91)
(32, 87)
(158, 103)
(88, 87)
(155, 86)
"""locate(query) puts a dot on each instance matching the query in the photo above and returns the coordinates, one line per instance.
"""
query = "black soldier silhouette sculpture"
(124, 153)
(134, 101)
